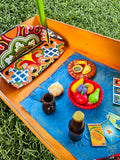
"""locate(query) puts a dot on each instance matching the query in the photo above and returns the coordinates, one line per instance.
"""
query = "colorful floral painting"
(23, 60)
(23, 39)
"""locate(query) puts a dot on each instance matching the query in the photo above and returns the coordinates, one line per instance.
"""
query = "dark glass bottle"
(76, 126)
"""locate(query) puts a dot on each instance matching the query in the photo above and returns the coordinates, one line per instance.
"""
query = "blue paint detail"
(54, 50)
(46, 51)
(51, 53)
(26, 71)
(56, 124)
(22, 75)
(17, 72)
(56, 54)
(25, 79)
(118, 123)
(17, 79)
(50, 48)
(13, 76)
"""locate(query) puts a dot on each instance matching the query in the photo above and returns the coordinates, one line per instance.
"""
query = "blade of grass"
(41, 13)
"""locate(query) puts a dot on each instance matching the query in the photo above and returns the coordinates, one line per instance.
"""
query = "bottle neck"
(78, 125)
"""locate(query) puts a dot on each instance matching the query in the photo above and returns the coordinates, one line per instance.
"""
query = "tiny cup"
(48, 101)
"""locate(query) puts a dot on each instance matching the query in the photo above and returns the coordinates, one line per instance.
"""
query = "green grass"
(16, 141)
(100, 16)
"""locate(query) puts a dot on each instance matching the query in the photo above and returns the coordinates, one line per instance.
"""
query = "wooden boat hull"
(97, 47)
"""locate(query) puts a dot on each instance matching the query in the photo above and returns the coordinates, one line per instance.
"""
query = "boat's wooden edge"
(7, 93)
(57, 149)
(92, 45)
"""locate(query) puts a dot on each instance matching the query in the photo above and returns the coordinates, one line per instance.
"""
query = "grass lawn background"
(17, 142)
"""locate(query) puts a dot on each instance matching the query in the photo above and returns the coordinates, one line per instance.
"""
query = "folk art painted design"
(23, 39)
(22, 60)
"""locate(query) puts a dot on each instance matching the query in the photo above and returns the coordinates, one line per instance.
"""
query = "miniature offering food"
(94, 97)
(80, 98)
(81, 68)
(82, 89)
(90, 88)
(76, 85)
(88, 94)
(80, 95)
(56, 89)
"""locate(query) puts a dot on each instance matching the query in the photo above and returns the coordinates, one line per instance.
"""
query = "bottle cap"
(78, 116)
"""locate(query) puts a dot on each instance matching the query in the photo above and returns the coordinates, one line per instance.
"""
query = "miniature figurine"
(76, 126)
(56, 89)
(48, 101)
